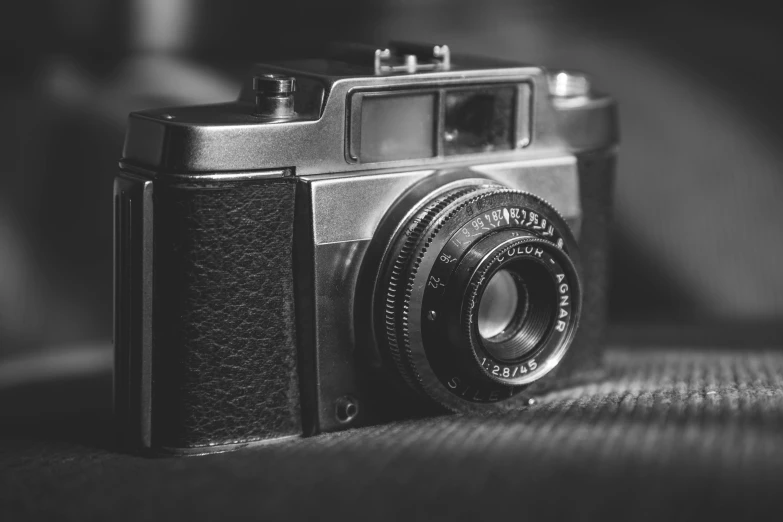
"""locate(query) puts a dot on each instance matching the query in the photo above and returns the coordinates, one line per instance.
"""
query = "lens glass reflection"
(517, 310)
(499, 305)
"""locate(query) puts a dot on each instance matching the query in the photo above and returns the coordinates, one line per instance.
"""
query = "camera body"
(282, 262)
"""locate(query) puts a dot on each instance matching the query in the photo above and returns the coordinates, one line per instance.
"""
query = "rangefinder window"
(397, 127)
(478, 120)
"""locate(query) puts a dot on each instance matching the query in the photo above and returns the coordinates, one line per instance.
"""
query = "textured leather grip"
(224, 350)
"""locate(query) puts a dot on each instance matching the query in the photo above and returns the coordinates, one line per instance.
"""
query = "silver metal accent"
(349, 207)
(432, 315)
(232, 176)
(524, 116)
(346, 408)
(381, 55)
(442, 53)
(274, 84)
(133, 326)
(427, 57)
(201, 177)
(217, 138)
(410, 63)
(274, 95)
(411, 58)
(400, 57)
(568, 84)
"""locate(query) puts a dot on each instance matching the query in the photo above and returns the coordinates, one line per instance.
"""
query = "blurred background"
(697, 237)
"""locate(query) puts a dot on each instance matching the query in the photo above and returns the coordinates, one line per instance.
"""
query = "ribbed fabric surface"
(675, 434)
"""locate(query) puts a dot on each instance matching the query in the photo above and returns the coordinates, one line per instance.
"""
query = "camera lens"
(516, 310)
(502, 305)
(478, 295)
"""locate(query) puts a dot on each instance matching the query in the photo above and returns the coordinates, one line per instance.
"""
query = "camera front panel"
(343, 216)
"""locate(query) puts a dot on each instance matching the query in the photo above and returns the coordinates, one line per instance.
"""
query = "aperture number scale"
(505, 217)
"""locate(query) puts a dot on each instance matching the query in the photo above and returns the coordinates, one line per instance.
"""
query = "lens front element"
(516, 310)
(502, 306)
(543, 322)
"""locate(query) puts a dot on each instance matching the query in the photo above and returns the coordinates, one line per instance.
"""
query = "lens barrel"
(478, 295)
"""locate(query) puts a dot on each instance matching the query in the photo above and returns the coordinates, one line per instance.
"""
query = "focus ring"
(399, 285)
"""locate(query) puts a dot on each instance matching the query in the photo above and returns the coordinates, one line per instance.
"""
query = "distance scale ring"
(439, 246)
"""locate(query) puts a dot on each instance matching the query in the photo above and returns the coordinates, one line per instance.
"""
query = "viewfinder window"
(397, 127)
(478, 120)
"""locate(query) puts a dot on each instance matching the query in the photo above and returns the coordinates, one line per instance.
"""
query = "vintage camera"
(381, 234)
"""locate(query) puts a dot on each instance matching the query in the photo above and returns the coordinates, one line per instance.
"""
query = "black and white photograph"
(391, 260)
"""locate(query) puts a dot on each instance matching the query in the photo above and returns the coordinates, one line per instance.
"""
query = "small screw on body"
(346, 409)
(432, 315)
(274, 95)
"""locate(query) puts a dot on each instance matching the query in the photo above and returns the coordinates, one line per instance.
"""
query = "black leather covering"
(224, 351)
